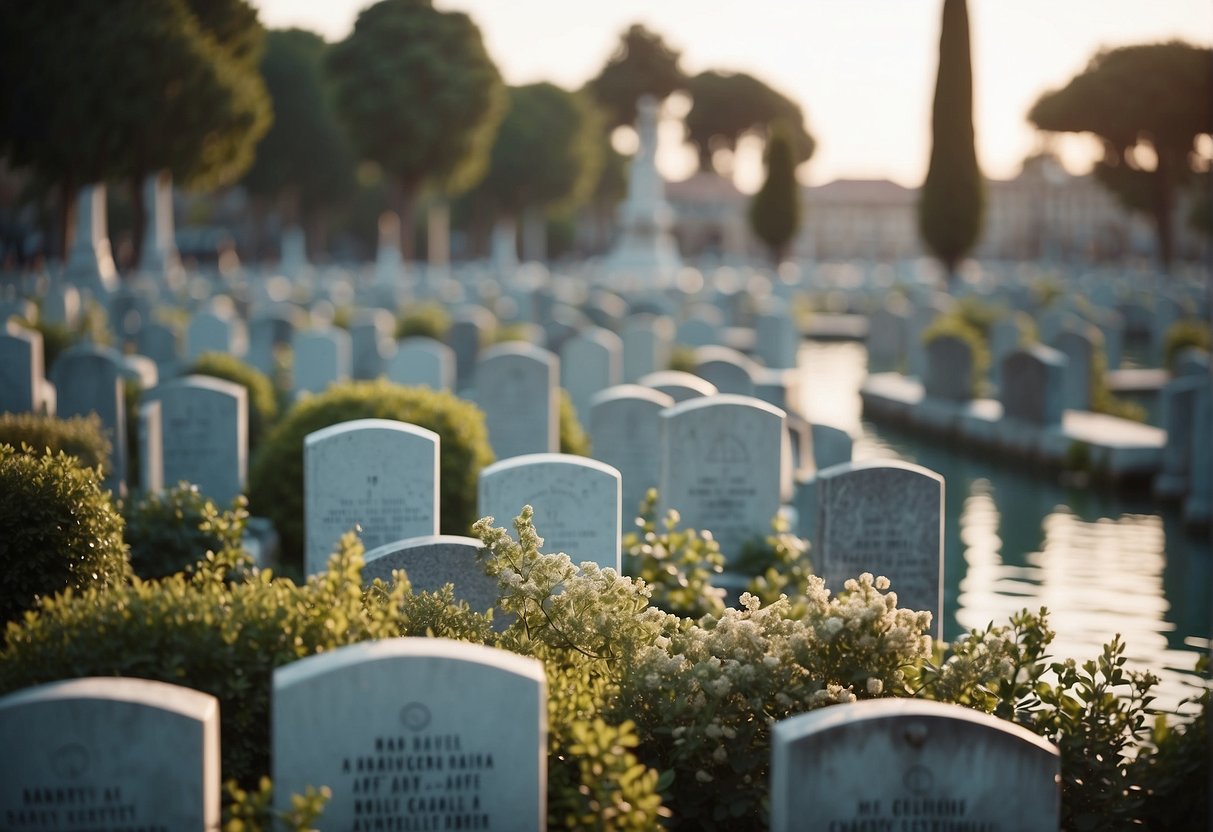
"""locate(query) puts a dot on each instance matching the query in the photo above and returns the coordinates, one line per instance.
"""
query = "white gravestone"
(376, 474)
(20, 369)
(906, 764)
(322, 358)
(647, 340)
(723, 467)
(678, 385)
(576, 503)
(516, 387)
(1031, 387)
(203, 435)
(414, 733)
(883, 517)
(211, 332)
(590, 361)
(422, 362)
(109, 754)
(625, 433)
(728, 370)
(433, 561)
(87, 380)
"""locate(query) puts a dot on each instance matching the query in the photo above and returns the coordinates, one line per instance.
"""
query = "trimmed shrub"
(80, 436)
(58, 529)
(1182, 335)
(573, 439)
(276, 477)
(959, 326)
(171, 532)
(429, 320)
(262, 403)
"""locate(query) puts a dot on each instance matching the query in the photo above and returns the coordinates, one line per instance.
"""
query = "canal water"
(1013, 539)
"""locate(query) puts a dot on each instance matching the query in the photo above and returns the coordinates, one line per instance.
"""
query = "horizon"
(873, 125)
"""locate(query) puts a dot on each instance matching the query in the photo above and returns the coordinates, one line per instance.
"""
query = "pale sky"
(862, 70)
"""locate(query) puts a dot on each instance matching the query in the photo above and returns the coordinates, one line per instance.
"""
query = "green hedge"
(276, 476)
(80, 436)
(58, 529)
(169, 532)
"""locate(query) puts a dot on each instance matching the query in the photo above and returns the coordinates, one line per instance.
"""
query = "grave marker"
(516, 387)
(625, 433)
(203, 436)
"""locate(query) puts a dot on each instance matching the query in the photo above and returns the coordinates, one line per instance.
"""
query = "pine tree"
(952, 200)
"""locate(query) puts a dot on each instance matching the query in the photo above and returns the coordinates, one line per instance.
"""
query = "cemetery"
(431, 528)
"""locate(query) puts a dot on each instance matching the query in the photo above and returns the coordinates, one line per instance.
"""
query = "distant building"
(869, 219)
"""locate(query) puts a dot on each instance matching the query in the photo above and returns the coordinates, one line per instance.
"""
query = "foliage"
(1153, 95)
(1182, 335)
(547, 153)
(573, 438)
(951, 204)
(305, 159)
(1174, 768)
(643, 64)
(246, 810)
(262, 401)
(621, 792)
(420, 97)
(429, 320)
(276, 475)
(775, 210)
(1102, 398)
(169, 532)
(80, 436)
(676, 564)
(726, 105)
(60, 530)
(778, 563)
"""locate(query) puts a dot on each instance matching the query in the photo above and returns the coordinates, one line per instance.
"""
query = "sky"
(863, 71)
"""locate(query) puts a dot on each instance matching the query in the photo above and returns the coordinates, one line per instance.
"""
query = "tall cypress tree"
(775, 209)
(951, 204)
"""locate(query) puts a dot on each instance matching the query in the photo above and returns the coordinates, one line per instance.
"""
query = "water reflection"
(1101, 564)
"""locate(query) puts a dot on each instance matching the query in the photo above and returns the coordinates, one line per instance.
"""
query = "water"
(1102, 564)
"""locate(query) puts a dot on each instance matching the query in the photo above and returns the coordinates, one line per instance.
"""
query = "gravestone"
(1079, 345)
(724, 467)
(908, 764)
(887, 331)
(678, 385)
(922, 317)
(151, 447)
(1005, 337)
(949, 372)
(371, 335)
(470, 328)
(883, 517)
(516, 387)
(376, 474)
(590, 362)
(1032, 380)
(203, 435)
(831, 446)
(647, 340)
(88, 379)
(704, 330)
(211, 332)
(21, 374)
(90, 261)
(625, 433)
(1177, 406)
(422, 362)
(322, 358)
(434, 561)
(160, 343)
(420, 733)
(576, 503)
(776, 337)
(109, 754)
(726, 369)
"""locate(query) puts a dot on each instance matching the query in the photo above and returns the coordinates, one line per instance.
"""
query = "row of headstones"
(415, 733)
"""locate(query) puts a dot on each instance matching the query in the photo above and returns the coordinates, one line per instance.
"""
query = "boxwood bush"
(170, 532)
(58, 529)
(276, 475)
(80, 436)
(262, 401)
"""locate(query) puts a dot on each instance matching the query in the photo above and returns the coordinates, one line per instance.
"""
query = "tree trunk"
(138, 216)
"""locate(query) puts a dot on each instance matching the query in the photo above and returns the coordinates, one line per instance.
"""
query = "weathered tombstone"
(1031, 389)
(723, 467)
(434, 561)
(776, 337)
(949, 372)
(589, 363)
(414, 733)
(109, 753)
(909, 764)
(204, 435)
(647, 340)
(1079, 345)
(678, 385)
(576, 503)
(728, 370)
(21, 374)
(883, 517)
(160, 343)
(470, 328)
(371, 335)
(422, 362)
(516, 387)
(887, 332)
(831, 446)
(88, 379)
(211, 332)
(376, 474)
(625, 433)
(322, 358)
